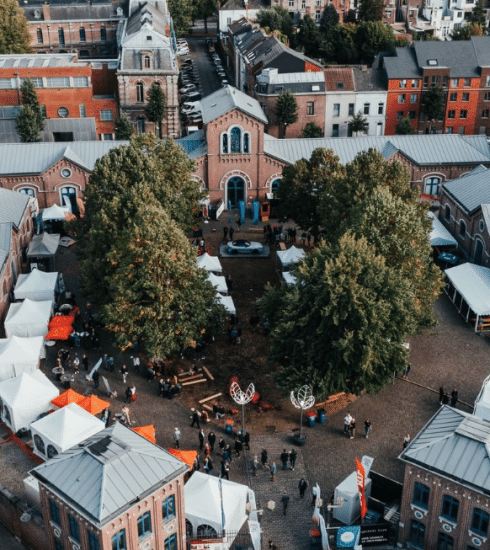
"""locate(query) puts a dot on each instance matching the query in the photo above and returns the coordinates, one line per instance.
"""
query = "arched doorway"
(478, 259)
(206, 532)
(69, 198)
(235, 190)
(275, 186)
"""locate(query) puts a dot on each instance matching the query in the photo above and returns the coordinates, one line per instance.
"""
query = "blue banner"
(348, 537)
(255, 212)
(241, 208)
(230, 218)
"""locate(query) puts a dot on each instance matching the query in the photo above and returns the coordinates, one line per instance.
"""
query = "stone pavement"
(8, 541)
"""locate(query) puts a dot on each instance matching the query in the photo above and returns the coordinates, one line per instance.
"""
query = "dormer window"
(432, 62)
(146, 59)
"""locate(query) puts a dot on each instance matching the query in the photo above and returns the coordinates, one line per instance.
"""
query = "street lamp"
(241, 397)
(303, 401)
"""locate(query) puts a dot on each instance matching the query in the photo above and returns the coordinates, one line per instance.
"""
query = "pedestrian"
(110, 363)
(136, 364)
(225, 470)
(441, 395)
(177, 436)
(76, 364)
(197, 464)
(227, 454)
(201, 439)
(454, 397)
(445, 399)
(367, 427)
(211, 440)
(314, 490)
(246, 440)
(255, 465)
(480, 327)
(207, 450)
(221, 445)
(106, 416)
(126, 416)
(347, 419)
(95, 378)
(124, 372)
(130, 394)
(195, 418)
(225, 233)
(406, 371)
(352, 428)
(406, 441)
(231, 231)
(302, 486)
(238, 447)
(208, 465)
(263, 457)
(239, 223)
(273, 470)
(285, 501)
(85, 362)
(292, 458)
(284, 459)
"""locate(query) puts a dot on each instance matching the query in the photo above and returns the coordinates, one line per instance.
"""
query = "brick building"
(446, 490)
(462, 68)
(114, 491)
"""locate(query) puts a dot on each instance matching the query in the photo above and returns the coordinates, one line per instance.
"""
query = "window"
(465, 97)
(416, 534)
(366, 108)
(335, 130)
(83, 36)
(65, 173)
(106, 115)
(450, 505)
(61, 37)
(58, 82)
(447, 213)
(310, 108)
(479, 522)
(147, 61)
(484, 113)
(486, 97)
(63, 112)
(74, 528)
(426, 81)
(351, 109)
(30, 193)
(415, 83)
(403, 83)
(399, 115)
(436, 80)
(451, 113)
(55, 512)
(445, 81)
(380, 108)
(454, 82)
(431, 187)
(291, 3)
(6, 83)
(224, 143)
(413, 98)
(39, 36)
(80, 81)
(336, 109)
(246, 144)
(401, 98)
(453, 96)
(461, 130)
(168, 506)
(119, 540)
(144, 525)
(463, 113)
(303, 4)
(444, 542)
(170, 543)
(467, 81)
(235, 139)
(140, 92)
(318, 15)
(37, 81)
(340, 85)
(38, 441)
(449, 130)
(58, 545)
(93, 541)
(83, 112)
(8, 113)
(103, 34)
(412, 115)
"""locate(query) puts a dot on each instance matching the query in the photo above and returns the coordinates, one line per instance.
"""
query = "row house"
(71, 94)
(462, 68)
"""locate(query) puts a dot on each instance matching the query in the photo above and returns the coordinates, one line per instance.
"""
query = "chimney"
(46, 12)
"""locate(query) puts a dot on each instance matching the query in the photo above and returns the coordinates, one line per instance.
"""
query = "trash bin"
(321, 416)
(229, 426)
(311, 419)
(315, 539)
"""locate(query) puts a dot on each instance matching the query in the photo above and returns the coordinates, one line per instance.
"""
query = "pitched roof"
(335, 76)
(471, 190)
(369, 80)
(456, 445)
(13, 205)
(225, 100)
(5, 243)
(482, 50)
(403, 64)
(105, 474)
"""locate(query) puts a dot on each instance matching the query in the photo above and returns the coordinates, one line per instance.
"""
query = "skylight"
(432, 62)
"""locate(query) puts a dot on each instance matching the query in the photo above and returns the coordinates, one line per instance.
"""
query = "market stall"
(28, 318)
(290, 256)
(209, 263)
(37, 286)
(289, 278)
(18, 355)
(43, 248)
(218, 282)
(440, 236)
(227, 302)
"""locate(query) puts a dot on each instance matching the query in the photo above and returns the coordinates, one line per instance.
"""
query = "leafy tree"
(124, 127)
(14, 33)
(308, 37)
(156, 107)
(204, 9)
(478, 14)
(370, 10)
(329, 20)
(373, 37)
(469, 30)
(434, 104)
(358, 123)
(312, 130)
(181, 11)
(341, 47)
(343, 325)
(276, 18)
(286, 111)
(404, 127)
(29, 122)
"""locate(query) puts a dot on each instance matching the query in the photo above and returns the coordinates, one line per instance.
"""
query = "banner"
(255, 212)
(361, 484)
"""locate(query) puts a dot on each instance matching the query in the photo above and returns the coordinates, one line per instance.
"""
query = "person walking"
(441, 395)
(406, 441)
(221, 445)
(367, 427)
(347, 419)
(284, 459)
(292, 458)
(246, 440)
(255, 465)
(124, 372)
(201, 439)
(445, 399)
(227, 454)
(207, 450)
(302, 486)
(129, 394)
(454, 397)
(225, 470)
(95, 378)
(406, 371)
(195, 419)
(352, 428)
(106, 416)
(285, 502)
(238, 447)
(197, 464)
(76, 364)
(273, 470)
(208, 465)
(211, 440)
(263, 458)
(225, 232)
(85, 362)
(177, 436)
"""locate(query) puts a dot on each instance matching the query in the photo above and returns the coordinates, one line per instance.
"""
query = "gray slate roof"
(103, 475)
(482, 50)
(13, 206)
(74, 11)
(41, 61)
(454, 444)
(403, 65)
(225, 100)
(436, 149)
(157, 17)
(163, 60)
(471, 190)
(5, 244)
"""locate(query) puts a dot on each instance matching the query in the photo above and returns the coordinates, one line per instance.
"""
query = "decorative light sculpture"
(241, 397)
(305, 400)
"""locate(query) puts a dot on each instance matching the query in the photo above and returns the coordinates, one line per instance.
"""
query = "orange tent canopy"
(67, 397)
(187, 457)
(93, 404)
(61, 321)
(148, 432)
(59, 333)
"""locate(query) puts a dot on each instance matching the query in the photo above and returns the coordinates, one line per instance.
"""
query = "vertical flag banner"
(255, 212)
(361, 483)
(230, 219)
(241, 206)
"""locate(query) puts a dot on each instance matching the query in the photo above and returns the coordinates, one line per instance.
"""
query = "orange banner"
(361, 484)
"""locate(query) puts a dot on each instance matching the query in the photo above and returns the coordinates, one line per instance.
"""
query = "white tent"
(290, 256)
(209, 263)
(18, 355)
(289, 278)
(55, 212)
(218, 282)
(226, 301)
(36, 285)
(44, 245)
(28, 318)
(440, 236)
(63, 429)
(203, 503)
(473, 284)
(482, 402)
(24, 398)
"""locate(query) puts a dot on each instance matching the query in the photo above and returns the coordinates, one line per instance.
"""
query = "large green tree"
(370, 10)
(434, 104)
(329, 20)
(358, 123)
(404, 127)
(286, 111)
(308, 38)
(14, 33)
(156, 107)
(312, 130)
(276, 18)
(124, 127)
(181, 11)
(29, 122)
(478, 14)
(373, 37)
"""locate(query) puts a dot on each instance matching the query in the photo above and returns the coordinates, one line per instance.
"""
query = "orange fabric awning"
(187, 457)
(93, 404)
(148, 432)
(61, 321)
(67, 397)
(59, 333)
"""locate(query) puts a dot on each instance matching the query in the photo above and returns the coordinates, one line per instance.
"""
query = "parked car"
(188, 88)
(191, 97)
(244, 247)
(182, 51)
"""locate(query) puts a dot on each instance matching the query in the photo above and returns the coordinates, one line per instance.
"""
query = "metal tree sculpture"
(304, 401)
(242, 398)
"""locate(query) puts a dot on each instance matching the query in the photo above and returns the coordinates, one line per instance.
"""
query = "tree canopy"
(308, 37)
(358, 123)
(181, 11)
(404, 127)
(14, 33)
(275, 18)
(434, 103)
(29, 122)
(156, 107)
(312, 130)
(124, 127)
(370, 10)
(286, 110)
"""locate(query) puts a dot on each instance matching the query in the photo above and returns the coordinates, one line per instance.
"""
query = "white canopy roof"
(28, 318)
(43, 245)
(25, 398)
(218, 282)
(65, 428)
(289, 278)
(482, 402)
(209, 263)
(440, 236)
(18, 355)
(36, 285)
(55, 212)
(227, 301)
(473, 283)
(290, 256)
(203, 503)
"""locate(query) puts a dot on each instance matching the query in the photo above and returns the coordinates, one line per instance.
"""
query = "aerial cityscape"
(244, 274)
